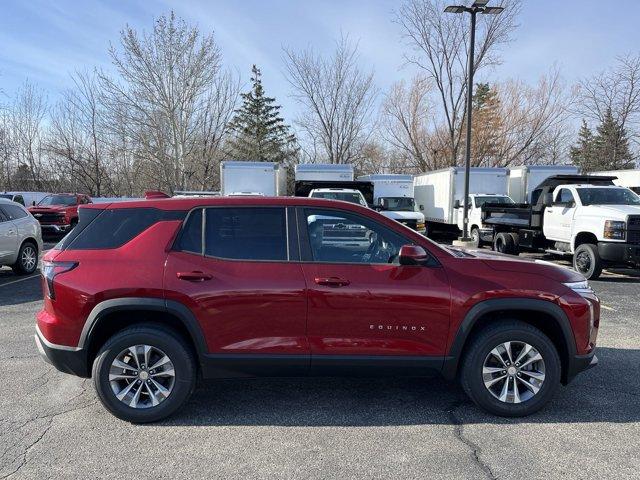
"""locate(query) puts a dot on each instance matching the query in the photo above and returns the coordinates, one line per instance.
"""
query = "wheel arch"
(110, 316)
(544, 315)
(584, 237)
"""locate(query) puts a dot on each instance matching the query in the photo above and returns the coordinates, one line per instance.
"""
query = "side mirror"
(457, 204)
(381, 204)
(33, 204)
(412, 255)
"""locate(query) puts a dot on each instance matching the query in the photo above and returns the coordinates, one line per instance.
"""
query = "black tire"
(516, 243)
(22, 266)
(471, 371)
(503, 243)
(171, 344)
(587, 261)
(475, 237)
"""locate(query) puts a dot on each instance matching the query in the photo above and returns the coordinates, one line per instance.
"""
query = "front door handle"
(194, 276)
(332, 281)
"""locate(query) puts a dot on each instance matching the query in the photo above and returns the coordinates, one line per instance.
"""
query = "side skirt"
(232, 365)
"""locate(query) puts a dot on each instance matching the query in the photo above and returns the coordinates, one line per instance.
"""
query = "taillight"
(51, 269)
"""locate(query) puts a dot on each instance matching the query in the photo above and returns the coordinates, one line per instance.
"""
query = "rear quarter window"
(112, 228)
(13, 212)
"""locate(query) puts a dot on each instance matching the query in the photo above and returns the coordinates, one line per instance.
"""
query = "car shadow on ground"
(608, 393)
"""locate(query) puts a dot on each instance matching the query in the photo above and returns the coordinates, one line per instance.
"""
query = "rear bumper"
(579, 363)
(622, 253)
(71, 360)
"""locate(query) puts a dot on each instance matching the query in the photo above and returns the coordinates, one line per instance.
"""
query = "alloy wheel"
(583, 262)
(513, 372)
(29, 258)
(142, 376)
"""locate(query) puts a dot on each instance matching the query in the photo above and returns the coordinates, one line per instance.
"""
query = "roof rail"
(152, 194)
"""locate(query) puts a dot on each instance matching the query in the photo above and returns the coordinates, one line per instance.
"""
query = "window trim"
(203, 254)
(306, 256)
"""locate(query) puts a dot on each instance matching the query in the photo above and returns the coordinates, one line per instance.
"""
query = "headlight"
(580, 288)
(615, 229)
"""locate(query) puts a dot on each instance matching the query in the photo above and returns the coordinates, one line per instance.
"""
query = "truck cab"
(598, 224)
(479, 232)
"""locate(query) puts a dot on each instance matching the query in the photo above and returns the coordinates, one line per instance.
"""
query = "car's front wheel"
(511, 369)
(144, 373)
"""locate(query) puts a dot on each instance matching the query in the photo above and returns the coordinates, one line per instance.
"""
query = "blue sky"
(45, 40)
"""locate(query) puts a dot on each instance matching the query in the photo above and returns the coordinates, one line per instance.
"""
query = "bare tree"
(77, 137)
(163, 87)
(440, 43)
(338, 99)
(407, 122)
(533, 122)
(26, 129)
(617, 90)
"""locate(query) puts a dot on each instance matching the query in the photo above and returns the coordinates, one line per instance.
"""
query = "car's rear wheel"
(504, 243)
(511, 369)
(475, 237)
(144, 374)
(27, 259)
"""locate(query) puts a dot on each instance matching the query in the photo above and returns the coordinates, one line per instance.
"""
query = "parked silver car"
(20, 238)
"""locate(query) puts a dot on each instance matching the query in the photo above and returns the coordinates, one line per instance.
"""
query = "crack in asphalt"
(459, 433)
(50, 417)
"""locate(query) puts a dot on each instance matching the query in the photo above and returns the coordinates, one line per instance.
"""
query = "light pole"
(479, 6)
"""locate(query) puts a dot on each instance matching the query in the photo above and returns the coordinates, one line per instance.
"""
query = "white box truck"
(327, 172)
(525, 178)
(252, 178)
(626, 178)
(439, 195)
(393, 198)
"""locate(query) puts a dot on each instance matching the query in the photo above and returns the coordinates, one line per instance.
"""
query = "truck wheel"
(144, 373)
(587, 261)
(516, 243)
(475, 237)
(504, 243)
(511, 369)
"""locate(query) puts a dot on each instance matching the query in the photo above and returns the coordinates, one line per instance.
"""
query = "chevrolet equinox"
(147, 296)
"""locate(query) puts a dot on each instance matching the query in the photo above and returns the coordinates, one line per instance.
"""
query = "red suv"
(146, 296)
(58, 212)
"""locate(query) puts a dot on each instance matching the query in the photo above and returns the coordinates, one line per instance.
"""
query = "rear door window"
(246, 233)
(14, 212)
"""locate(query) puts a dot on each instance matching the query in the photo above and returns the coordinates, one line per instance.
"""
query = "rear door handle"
(332, 281)
(194, 276)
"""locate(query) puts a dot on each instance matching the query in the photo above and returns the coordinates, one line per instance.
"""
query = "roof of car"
(187, 203)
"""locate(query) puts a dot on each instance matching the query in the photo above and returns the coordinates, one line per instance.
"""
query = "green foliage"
(608, 149)
(257, 132)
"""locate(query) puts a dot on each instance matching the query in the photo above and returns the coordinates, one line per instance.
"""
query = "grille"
(409, 223)
(633, 229)
(49, 217)
(634, 222)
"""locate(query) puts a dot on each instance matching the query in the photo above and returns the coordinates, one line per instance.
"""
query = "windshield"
(480, 201)
(351, 197)
(607, 196)
(399, 204)
(58, 200)
(4, 195)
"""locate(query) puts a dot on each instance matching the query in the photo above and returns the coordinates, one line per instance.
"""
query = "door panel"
(384, 310)
(361, 301)
(242, 307)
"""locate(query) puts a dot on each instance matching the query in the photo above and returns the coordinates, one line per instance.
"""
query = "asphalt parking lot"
(52, 426)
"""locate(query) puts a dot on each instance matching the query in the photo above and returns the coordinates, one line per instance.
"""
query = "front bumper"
(66, 359)
(51, 228)
(579, 363)
(621, 253)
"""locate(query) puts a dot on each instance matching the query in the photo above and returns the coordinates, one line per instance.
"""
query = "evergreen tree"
(583, 153)
(258, 133)
(486, 127)
(612, 145)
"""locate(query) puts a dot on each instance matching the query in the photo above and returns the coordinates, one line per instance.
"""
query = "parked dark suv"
(146, 296)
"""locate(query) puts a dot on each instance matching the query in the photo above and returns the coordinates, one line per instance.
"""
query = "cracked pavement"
(52, 425)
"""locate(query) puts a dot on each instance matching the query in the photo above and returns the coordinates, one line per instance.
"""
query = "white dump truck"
(524, 179)
(253, 178)
(624, 178)
(393, 198)
(439, 195)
